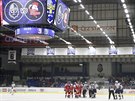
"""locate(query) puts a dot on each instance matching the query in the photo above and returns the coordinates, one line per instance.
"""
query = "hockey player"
(80, 88)
(117, 89)
(12, 88)
(92, 90)
(85, 88)
(77, 90)
(95, 88)
(71, 89)
(121, 91)
(67, 89)
(111, 91)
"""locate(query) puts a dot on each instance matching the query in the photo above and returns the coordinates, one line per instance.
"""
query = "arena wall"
(55, 90)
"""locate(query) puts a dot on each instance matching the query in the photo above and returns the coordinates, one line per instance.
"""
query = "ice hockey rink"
(56, 97)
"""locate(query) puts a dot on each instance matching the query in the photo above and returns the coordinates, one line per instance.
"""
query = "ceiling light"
(104, 33)
(88, 41)
(87, 12)
(131, 27)
(82, 6)
(79, 1)
(134, 40)
(75, 1)
(128, 20)
(95, 22)
(98, 26)
(126, 11)
(124, 6)
(90, 17)
(101, 29)
(130, 24)
(127, 16)
(122, 1)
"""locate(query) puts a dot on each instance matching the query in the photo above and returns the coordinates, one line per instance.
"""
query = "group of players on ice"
(79, 89)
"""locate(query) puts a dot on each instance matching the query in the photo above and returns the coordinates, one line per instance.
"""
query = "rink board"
(47, 90)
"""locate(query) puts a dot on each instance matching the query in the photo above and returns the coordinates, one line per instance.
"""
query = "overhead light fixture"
(82, 6)
(43, 42)
(128, 20)
(87, 12)
(124, 6)
(95, 21)
(87, 41)
(101, 29)
(131, 27)
(79, 1)
(75, 1)
(98, 26)
(104, 33)
(126, 11)
(91, 17)
(123, 1)
(127, 16)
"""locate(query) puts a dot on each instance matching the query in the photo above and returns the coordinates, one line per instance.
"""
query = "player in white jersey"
(117, 89)
(121, 91)
(12, 88)
(85, 88)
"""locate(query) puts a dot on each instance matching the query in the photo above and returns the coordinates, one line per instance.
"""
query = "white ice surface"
(56, 97)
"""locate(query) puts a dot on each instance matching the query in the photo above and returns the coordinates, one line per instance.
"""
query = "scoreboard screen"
(17, 12)
(62, 16)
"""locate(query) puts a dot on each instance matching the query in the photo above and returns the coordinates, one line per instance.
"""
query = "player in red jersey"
(71, 89)
(67, 89)
(77, 90)
(80, 88)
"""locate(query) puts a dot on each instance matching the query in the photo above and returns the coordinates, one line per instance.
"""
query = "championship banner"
(24, 12)
(12, 56)
(92, 51)
(112, 50)
(50, 51)
(30, 51)
(88, 28)
(70, 51)
(133, 50)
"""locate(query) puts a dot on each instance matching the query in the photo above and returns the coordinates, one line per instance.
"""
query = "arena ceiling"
(77, 41)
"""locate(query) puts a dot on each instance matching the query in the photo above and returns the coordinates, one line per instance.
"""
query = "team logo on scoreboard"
(12, 11)
(51, 4)
(59, 14)
(35, 10)
(65, 18)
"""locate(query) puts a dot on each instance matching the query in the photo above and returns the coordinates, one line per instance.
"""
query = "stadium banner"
(70, 51)
(30, 51)
(133, 50)
(62, 16)
(18, 12)
(92, 51)
(50, 51)
(12, 56)
(112, 50)
(81, 51)
(88, 28)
